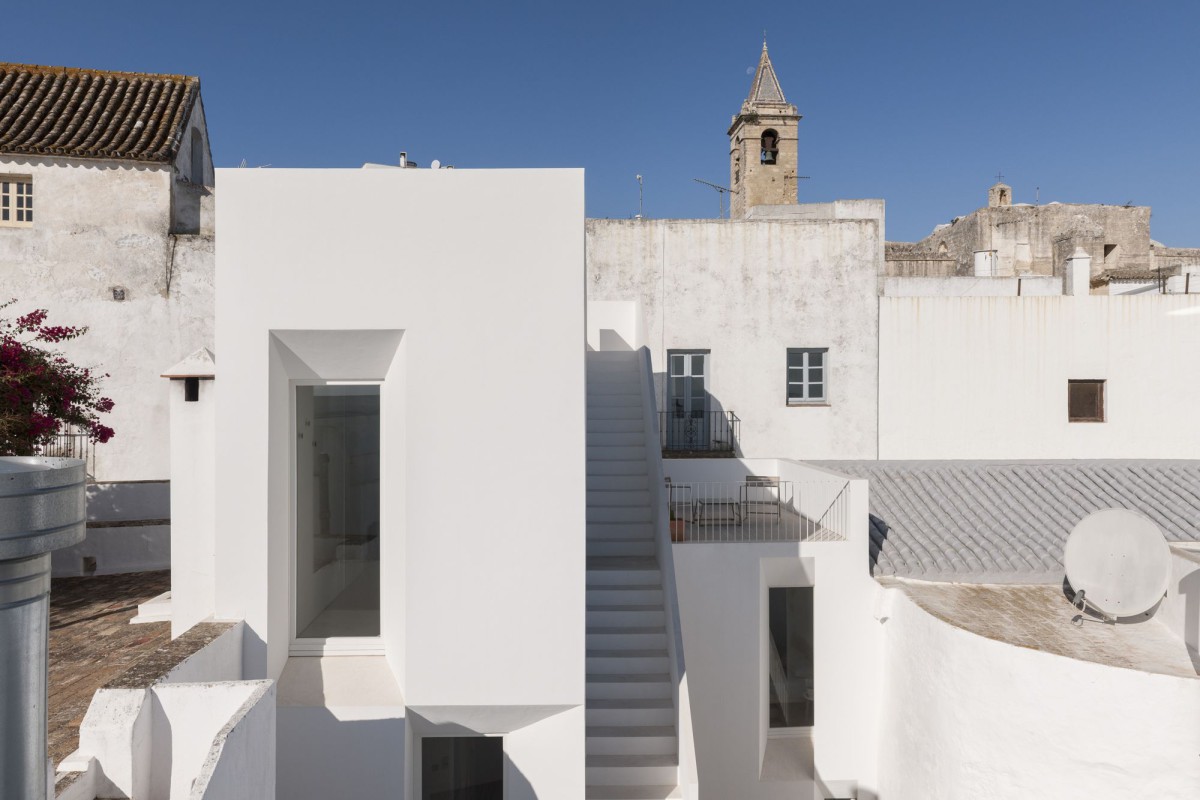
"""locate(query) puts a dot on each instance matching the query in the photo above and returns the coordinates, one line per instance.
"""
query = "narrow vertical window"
(790, 669)
(197, 170)
(337, 511)
(191, 390)
(807, 373)
(687, 420)
(16, 202)
(1085, 401)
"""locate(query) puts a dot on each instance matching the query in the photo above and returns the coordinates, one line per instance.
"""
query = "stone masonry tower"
(762, 145)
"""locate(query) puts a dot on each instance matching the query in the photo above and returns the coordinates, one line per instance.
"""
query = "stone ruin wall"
(1031, 240)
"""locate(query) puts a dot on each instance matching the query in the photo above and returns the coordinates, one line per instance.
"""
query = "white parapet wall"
(968, 716)
(129, 530)
(986, 377)
(194, 732)
(970, 286)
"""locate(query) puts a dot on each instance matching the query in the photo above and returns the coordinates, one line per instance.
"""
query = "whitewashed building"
(106, 190)
(427, 543)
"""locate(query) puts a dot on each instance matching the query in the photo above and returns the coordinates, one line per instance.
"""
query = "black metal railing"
(72, 444)
(712, 432)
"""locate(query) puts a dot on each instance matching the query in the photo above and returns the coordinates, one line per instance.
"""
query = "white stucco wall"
(105, 224)
(986, 377)
(747, 290)
(970, 286)
(193, 470)
(479, 299)
(723, 608)
(1180, 609)
(966, 716)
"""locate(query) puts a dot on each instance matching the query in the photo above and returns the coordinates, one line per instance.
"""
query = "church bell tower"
(762, 145)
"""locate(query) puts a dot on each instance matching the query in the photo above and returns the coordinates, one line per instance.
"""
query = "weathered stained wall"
(747, 290)
(100, 226)
(986, 377)
(1033, 239)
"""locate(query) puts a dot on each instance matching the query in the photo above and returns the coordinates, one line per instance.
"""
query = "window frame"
(330, 645)
(14, 202)
(1101, 400)
(785, 731)
(805, 382)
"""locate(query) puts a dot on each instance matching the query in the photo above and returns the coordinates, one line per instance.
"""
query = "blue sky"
(918, 103)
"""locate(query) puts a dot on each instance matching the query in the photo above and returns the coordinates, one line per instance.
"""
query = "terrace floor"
(1040, 618)
(92, 643)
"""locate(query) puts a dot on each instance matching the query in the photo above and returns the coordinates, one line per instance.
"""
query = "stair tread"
(622, 563)
(627, 760)
(627, 629)
(650, 607)
(649, 677)
(621, 731)
(640, 703)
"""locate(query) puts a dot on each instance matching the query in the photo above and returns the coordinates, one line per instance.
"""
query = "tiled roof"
(1007, 521)
(82, 113)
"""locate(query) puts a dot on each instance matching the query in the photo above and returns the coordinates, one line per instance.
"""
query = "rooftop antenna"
(1037, 195)
(721, 192)
(1117, 563)
(641, 208)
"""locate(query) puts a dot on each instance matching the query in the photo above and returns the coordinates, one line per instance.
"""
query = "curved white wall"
(966, 716)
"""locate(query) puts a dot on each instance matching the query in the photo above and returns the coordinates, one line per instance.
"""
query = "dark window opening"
(790, 668)
(1085, 401)
(462, 768)
(1110, 254)
(191, 390)
(770, 146)
(197, 170)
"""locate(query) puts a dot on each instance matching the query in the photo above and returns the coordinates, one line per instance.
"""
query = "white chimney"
(1077, 273)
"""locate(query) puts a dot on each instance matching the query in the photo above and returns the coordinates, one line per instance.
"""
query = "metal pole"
(42, 508)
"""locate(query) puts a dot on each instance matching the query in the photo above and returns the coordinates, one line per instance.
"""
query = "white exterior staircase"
(632, 744)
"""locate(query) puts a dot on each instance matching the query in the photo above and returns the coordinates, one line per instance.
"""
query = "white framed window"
(336, 517)
(807, 376)
(16, 201)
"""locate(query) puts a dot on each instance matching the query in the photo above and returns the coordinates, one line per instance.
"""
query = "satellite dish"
(435, 164)
(1117, 562)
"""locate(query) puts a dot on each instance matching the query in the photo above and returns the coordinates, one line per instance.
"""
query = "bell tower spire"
(763, 155)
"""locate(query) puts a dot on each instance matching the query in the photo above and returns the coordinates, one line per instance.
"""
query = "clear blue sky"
(917, 103)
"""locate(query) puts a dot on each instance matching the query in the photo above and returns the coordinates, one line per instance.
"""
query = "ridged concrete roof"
(1007, 521)
(82, 113)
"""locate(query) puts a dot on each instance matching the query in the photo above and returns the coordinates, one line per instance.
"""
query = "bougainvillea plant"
(41, 392)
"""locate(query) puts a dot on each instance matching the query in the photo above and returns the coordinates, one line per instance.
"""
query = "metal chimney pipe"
(43, 507)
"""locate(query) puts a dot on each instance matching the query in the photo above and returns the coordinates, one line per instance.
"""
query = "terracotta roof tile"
(85, 113)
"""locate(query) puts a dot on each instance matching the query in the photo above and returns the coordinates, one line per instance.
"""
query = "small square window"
(16, 201)
(1085, 401)
(807, 375)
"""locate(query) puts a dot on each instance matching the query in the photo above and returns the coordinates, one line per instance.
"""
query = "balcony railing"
(698, 432)
(72, 444)
(759, 509)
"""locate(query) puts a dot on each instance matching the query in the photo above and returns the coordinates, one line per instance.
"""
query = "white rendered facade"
(482, 591)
